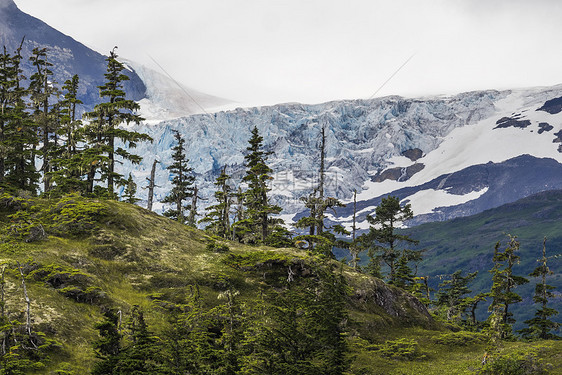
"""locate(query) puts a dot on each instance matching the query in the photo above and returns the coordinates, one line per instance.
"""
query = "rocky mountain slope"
(449, 157)
(67, 55)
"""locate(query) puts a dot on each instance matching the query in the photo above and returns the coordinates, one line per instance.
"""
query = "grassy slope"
(468, 244)
(146, 255)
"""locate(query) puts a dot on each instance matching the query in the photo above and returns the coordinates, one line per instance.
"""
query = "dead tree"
(151, 184)
(27, 301)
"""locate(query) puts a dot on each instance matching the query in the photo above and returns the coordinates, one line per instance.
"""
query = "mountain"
(168, 99)
(68, 56)
(448, 156)
(160, 96)
(467, 244)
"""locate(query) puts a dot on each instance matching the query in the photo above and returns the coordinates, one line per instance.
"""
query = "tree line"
(40, 122)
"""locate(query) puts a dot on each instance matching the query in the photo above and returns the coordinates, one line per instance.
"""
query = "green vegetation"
(468, 244)
(191, 289)
(92, 285)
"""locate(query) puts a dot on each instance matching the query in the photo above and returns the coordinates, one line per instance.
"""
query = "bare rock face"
(68, 56)
(399, 174)
(552, 106)
(372, 294)
(413, 154)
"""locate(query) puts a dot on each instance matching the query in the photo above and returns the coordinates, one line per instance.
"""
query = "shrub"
(217, 247)
(403, 349)
(518, 363)
(75, 215)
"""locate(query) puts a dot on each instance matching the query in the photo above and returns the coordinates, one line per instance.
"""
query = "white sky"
(271, 51)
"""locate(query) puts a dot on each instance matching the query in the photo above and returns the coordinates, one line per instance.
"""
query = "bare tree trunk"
(193, 209)
(3, 302)
(151, 185)
(27, 301)
(354, 230)
(320, 206)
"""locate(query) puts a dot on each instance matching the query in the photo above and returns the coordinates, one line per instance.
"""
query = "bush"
(75, 215)
(403, 349)
(217, 247)
(527, 363)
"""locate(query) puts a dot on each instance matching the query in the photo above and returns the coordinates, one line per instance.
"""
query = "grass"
(137, 257)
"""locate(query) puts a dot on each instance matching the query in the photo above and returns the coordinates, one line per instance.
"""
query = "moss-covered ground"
(122, 255)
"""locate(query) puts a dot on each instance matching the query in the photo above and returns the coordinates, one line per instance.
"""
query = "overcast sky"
(270, 51)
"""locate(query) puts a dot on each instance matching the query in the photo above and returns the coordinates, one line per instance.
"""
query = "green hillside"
(468, 244)
(81, 257)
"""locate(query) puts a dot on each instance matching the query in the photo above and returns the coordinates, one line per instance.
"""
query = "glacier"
(363, 138)
(366, 139)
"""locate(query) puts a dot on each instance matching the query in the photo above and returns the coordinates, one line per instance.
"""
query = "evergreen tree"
(41, 89)
(182, 182)
(541, 326)
(192, 217)
(151, 185)
(108, 346)
(103, 130)
(142, 355)
(301, 330)
(319, 240)
(502, 294)
(130, 191)
(256, 202)
(68, 161)
(218, 215)
(382, 239)
(19, 134)
(451, 295)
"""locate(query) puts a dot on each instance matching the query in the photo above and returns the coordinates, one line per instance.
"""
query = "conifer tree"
(141, 356)
(218, 215)
(20, 134)
(182, 182)
(108, 346)
(192, 217)
(103, 131)
(383, 240)
(451, 295)
(41, 89)
(68, 161)
(151, 185)
(502, 294)
(130, 191)
(318, 239)
(541, 326)
(8, 76)
(258, 209)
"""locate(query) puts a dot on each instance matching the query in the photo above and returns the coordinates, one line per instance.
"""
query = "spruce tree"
(19, 134)
(258, 209)
(141, 355)
(108, 347)
(182, 182)
(68, 161)
(541, 326)
(103, 131)
(502, 292)
(151, 185)
(8, 78)
(451, 296)
(319, 240)
(382, 239)
(218, 215)
(41, 89)
(130, 191)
